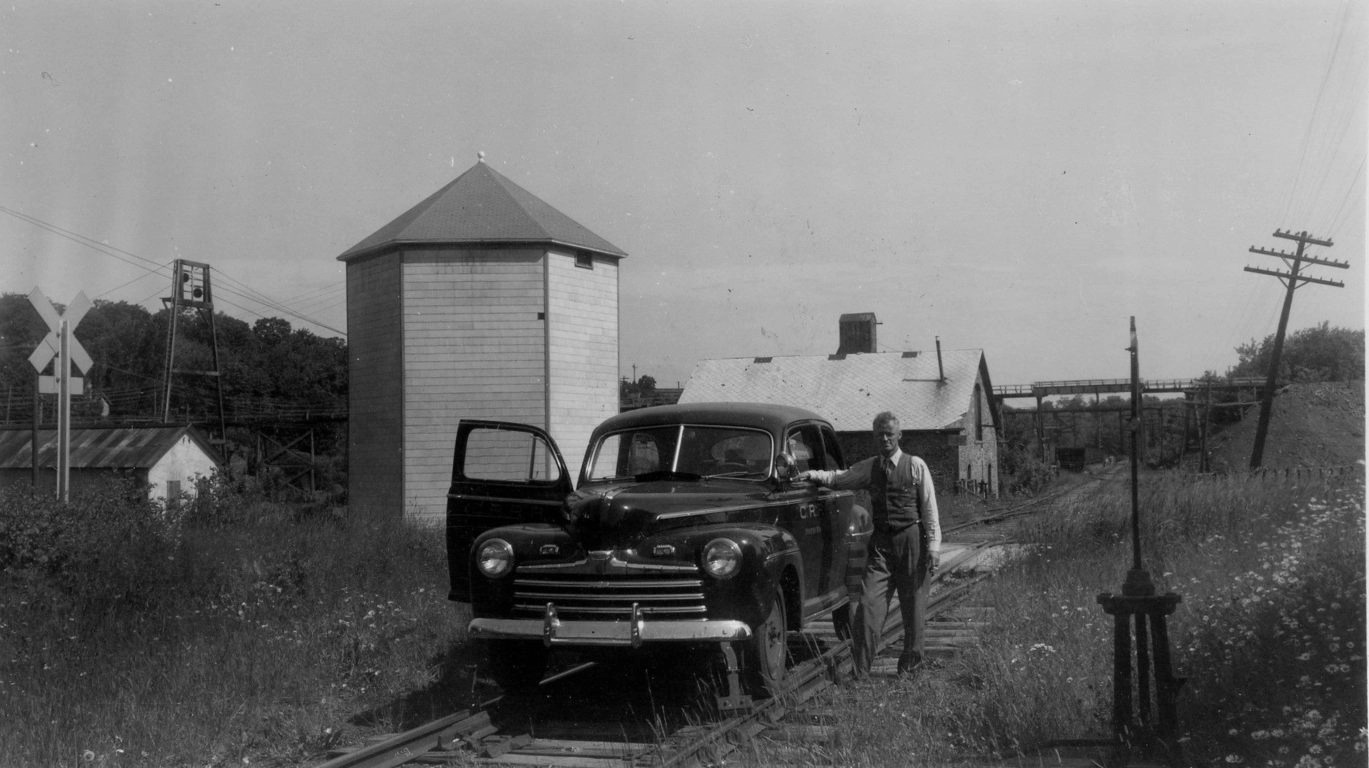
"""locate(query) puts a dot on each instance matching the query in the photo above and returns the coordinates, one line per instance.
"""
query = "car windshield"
(704, 451)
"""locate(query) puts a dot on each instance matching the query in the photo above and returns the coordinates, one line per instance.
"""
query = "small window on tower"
(584, 260)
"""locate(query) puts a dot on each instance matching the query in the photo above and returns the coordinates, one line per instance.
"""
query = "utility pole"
(1291, 280)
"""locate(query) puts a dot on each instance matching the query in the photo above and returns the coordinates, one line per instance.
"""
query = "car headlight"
(494, 558)
(722, 558)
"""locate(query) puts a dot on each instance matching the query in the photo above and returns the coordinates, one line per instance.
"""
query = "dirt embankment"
(1312, 425)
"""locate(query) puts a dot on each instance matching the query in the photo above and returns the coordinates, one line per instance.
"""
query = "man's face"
(886, 438)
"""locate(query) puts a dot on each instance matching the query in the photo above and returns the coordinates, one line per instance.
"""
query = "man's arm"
(857, 476)
(931, 516)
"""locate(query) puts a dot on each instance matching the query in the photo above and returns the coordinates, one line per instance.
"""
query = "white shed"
(480, 302)
(169, 459)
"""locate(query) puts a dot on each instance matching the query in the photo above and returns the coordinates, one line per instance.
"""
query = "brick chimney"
(857, 333)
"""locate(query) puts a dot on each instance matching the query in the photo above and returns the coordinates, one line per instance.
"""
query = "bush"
(1030, 475)
(108, 546)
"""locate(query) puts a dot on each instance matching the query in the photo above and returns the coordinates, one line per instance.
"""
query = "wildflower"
(88, 755)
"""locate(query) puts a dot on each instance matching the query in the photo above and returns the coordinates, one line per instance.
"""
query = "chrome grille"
(578, 596)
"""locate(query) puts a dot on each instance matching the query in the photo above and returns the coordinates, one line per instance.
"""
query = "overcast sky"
(1020, 177)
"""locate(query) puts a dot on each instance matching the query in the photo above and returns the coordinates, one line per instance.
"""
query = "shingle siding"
(583, 327)
(375, 437)
(473, 349)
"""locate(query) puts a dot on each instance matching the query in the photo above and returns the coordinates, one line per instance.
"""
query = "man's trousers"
(894, 566)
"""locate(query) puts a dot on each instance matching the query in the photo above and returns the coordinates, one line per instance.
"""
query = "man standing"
(904, 549)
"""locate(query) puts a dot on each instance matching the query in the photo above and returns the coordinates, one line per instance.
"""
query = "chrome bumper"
(631, 633)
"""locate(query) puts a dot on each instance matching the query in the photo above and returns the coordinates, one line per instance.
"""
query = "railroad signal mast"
(1140, 639)
(1291, 279)
(190, 289)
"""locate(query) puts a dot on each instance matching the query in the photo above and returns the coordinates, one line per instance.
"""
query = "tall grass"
(234, 632)
(1270, 633)
(224, 636)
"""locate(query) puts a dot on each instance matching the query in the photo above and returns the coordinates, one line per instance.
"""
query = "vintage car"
(687, 525)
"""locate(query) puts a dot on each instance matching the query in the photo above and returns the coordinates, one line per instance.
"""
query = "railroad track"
(531, 730)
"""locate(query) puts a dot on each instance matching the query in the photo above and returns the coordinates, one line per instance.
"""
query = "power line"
(254, 295)
(1353, 193)
(76, 237)
(163, 270)
(1339, 95)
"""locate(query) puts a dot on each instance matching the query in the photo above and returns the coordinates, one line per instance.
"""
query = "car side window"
(804, 443)
(508, 456)
(831, 449)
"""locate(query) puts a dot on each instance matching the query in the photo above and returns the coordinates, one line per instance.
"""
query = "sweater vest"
(894, 499)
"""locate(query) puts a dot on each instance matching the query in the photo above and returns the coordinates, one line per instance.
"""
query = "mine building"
(943, 399)
(481, 301)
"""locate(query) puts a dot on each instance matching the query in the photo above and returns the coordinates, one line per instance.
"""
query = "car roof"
(765, 416)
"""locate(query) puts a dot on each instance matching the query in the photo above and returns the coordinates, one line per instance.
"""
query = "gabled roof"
(850, 389)
(96, 448)
(481, 206)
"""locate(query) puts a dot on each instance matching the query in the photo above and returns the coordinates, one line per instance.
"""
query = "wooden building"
(170, 460)
(481, 301)
(943, 399)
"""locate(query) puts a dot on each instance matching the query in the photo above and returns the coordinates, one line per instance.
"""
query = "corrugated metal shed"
(481, 206)
(850, 389)
(118, 448)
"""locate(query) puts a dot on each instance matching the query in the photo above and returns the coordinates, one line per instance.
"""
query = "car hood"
(620, 514)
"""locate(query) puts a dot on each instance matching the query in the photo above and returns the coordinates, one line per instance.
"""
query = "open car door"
(502, 474)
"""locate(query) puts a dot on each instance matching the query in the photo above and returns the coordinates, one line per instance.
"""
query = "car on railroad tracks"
(687, 526)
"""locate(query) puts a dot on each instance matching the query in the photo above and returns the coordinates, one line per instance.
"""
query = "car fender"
(767, 552)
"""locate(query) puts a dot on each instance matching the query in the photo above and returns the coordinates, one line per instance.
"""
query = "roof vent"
(762, 359)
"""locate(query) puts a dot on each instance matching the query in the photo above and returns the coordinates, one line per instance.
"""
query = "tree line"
(267, 370)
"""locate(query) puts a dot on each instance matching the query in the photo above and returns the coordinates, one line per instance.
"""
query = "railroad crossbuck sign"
(60, 343)
(51, 345)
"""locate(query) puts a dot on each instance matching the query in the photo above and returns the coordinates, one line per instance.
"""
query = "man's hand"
(934, 561)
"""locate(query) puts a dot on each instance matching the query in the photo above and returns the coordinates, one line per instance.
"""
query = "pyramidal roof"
(481, 206)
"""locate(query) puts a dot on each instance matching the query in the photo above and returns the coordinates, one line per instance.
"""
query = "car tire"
(767, 650)
(516, 665)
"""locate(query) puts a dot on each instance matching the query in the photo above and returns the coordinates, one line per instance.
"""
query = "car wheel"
(768, 649)
(516, 665)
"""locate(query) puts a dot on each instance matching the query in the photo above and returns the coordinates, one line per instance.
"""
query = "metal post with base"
(1139, 609)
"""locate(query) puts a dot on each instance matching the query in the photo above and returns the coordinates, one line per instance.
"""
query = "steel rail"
(405, 747)
(806, 680)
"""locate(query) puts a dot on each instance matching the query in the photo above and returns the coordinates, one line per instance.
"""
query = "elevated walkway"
(1043, 389)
